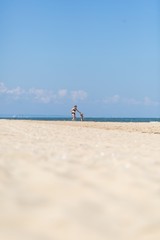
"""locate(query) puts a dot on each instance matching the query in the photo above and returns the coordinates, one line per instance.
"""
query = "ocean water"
(89, 119)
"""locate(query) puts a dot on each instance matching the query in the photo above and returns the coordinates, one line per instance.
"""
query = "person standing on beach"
(82, 117)
(73, 112)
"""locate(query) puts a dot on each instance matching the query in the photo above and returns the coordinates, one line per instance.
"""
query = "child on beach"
(73, 112)
(82, 117)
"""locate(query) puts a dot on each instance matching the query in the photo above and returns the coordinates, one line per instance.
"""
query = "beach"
(65, 180)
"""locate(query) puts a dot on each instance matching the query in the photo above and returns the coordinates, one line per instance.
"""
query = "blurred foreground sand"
(79, 180)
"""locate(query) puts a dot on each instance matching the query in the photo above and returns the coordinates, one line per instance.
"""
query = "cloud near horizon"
(46, 96)
(116, 99)
(42, 95)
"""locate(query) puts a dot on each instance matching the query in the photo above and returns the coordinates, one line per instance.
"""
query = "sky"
(102, 55)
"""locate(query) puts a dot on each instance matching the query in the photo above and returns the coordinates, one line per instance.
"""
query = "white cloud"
(146, 101)
(14, 92)
(41, 95)
(132, 101)
(78, 95)
(114, 99)
(149, 102)
(49, 96)
(62, 93)
(3, 89)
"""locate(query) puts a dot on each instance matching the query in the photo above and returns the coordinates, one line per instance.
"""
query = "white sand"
(79, 181)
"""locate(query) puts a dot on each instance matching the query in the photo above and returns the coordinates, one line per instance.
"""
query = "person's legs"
(73, 116)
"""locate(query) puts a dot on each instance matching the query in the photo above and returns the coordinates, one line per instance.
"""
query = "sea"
(67, 118)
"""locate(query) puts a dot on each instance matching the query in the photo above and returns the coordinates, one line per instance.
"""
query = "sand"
(79, 180)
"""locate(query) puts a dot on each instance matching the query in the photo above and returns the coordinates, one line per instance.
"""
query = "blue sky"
(102, 55)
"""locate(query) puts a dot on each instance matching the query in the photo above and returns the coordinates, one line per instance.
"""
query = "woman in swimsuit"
(73, 112)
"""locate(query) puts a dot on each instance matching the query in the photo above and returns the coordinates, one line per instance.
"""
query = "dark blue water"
(93, 119)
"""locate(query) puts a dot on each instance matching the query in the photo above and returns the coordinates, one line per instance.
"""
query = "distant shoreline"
(87, 119)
